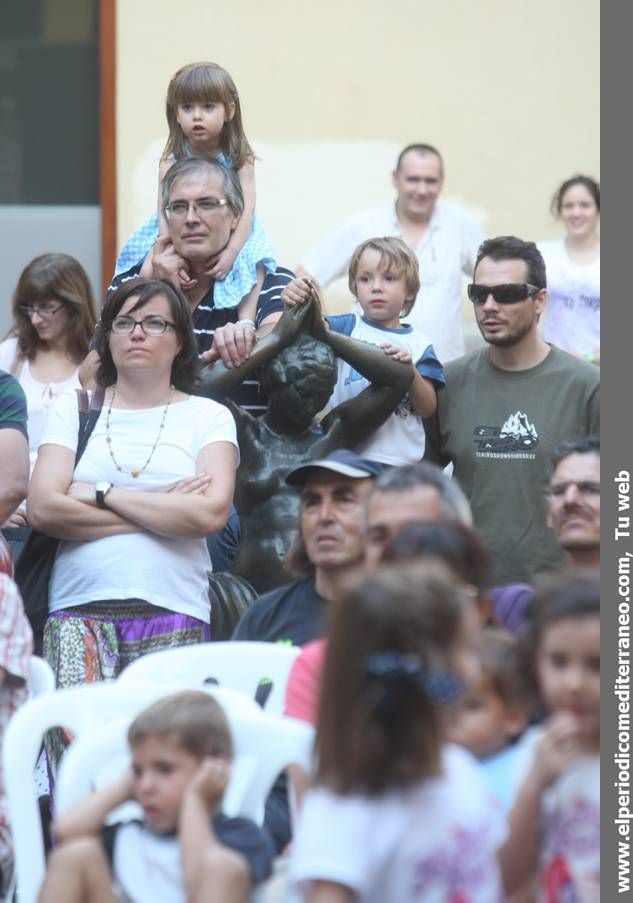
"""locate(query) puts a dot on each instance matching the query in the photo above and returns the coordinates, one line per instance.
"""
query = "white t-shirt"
(447, 249)
(401, 439)
(434, 842)
(569, 855)
(572, 315)
(172, 573)
(39, 396)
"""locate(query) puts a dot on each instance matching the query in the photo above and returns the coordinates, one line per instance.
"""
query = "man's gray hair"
(195, 166)
(453, 503)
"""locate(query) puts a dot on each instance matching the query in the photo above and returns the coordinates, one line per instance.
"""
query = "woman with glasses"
(156, 477)
(53, 322)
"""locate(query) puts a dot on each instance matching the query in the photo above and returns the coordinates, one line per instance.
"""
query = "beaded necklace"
(135, 471)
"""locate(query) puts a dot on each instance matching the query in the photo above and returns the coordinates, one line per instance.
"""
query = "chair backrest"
(241, 666)
(79, 709)
(41, 677)
(264, 745)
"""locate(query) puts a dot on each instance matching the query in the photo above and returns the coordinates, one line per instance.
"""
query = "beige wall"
(331, 90)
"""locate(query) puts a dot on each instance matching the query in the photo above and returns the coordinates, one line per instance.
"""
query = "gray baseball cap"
(342, 461)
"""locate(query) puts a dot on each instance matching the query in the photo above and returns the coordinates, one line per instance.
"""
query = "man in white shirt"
(442, 234)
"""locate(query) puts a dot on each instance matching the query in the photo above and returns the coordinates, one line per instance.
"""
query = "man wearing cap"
(330, 540)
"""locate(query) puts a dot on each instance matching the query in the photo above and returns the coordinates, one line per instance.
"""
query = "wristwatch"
(101, 490)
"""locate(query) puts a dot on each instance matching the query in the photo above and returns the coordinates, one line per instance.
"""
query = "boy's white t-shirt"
(401, 439)
(171, 573)
(571, 320)
(433, 842)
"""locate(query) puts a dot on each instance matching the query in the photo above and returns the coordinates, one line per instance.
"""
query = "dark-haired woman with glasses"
(156, 477)
(53, 322)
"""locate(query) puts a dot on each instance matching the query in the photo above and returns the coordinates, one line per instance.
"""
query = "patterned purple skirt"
(93, 642)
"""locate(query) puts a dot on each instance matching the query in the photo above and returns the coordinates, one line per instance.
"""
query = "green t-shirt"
(499, 428)
(13, 413)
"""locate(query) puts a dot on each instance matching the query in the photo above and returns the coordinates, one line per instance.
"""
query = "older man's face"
(388, 512)
(332, 518)
(574, 502)
(200, 236)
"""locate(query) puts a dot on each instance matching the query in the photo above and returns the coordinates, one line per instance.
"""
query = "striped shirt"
(207, 318)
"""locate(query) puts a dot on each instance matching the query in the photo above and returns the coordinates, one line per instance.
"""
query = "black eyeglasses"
(150, 325)
(507, 293)
(30, 310)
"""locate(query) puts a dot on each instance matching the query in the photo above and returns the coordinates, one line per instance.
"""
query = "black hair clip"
(399, 671)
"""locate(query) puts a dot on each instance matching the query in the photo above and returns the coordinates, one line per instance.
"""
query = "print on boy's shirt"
(513, 440)
(404, 409)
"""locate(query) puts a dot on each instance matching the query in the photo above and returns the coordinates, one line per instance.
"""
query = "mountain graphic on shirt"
(516, 434)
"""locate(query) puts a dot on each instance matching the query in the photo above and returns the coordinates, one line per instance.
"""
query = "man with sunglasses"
(506, 406)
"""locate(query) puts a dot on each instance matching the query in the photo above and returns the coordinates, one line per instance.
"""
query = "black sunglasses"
(507, 293)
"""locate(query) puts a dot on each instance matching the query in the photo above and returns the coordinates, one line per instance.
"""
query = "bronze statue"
(299, 372)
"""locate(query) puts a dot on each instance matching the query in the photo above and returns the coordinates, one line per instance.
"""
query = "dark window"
(49, 102)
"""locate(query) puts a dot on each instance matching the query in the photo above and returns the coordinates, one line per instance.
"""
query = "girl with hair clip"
(395, 815)
(555, 820)
(204, 117)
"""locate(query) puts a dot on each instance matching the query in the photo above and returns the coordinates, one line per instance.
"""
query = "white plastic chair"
(41, 677)
(241, 666)
(80, 709)
(264, 745)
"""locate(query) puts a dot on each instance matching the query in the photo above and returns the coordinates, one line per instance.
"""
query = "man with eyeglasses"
(203, 202)
(574, 500)
(506, 406)
(442, 234)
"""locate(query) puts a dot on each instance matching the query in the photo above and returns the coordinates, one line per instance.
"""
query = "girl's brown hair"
(414, 611)
(200, 82)
(574, 595)
(61, 278)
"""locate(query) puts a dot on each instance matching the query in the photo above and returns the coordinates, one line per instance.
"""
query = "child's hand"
(222, 265)
(296, 292)
(397, 353)
(185, 280)
(557, 749)
(210, 780)
(125, 786)
(163, 262)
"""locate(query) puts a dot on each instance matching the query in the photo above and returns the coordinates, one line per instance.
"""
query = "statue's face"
(297, 394)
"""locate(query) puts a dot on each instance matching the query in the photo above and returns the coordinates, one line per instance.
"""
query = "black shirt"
(293, 614)
(240, 834)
